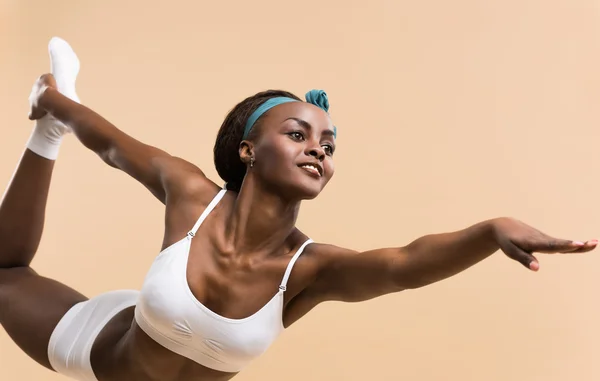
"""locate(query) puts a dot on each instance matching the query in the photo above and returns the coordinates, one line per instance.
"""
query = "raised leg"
(23, 206)
(31, 305)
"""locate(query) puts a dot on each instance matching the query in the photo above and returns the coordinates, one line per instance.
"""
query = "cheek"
(278, 156)
(329, 168)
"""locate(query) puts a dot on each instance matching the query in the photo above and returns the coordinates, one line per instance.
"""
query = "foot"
(64, 66)
(48, 133)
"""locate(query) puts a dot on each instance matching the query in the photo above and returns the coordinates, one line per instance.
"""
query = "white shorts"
(71, 341)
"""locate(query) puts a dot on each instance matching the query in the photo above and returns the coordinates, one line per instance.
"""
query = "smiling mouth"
(312, 169)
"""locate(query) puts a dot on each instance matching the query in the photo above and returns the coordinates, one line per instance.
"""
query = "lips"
(313, 168)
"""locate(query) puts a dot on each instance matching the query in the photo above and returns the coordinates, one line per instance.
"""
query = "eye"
(296, 135)
(328, 149)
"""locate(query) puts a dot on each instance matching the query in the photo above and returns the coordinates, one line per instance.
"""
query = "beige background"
(448, 113)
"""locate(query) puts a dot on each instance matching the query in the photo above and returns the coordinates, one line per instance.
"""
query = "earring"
(251, 162)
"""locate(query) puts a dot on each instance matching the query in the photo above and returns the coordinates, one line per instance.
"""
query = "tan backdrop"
(448, 112)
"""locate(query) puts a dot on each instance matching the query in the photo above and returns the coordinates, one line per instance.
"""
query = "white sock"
(48, 133)
(46, 137)
(64, 66)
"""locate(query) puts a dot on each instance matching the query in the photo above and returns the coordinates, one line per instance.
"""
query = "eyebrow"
(308, 126)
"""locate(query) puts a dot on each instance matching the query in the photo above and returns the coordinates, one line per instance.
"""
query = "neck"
(261, 220)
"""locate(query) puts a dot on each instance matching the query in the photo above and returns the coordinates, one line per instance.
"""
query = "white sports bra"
(172, 316)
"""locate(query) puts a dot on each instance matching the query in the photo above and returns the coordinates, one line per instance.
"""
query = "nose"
(317, 152)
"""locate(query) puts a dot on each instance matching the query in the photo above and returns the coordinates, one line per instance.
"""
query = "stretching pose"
(233, 270)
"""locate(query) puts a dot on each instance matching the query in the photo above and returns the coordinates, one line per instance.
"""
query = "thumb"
(516, 253)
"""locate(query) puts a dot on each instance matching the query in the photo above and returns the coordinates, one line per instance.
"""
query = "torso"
(230, 287)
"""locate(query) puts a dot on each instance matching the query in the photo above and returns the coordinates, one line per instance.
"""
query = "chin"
(311, 196)
(309, 190)
(299, 189)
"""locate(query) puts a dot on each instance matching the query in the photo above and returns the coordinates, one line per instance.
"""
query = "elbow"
(108, 154)
(407, 273)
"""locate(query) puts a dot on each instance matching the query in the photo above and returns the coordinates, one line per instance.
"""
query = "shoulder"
(184, 181)
(327, 254)
(307, 275)
(314, 261)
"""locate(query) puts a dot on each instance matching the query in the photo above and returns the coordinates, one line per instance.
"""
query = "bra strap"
(206, 212)
(290, 265)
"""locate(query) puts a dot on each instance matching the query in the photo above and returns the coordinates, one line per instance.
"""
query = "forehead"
(310, 113)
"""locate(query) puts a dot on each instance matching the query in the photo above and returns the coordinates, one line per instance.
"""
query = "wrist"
(496, 227)
(46, 98)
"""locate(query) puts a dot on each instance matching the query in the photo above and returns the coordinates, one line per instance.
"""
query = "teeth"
(312, 168)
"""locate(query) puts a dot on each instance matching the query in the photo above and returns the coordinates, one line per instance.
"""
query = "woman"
(234, 270)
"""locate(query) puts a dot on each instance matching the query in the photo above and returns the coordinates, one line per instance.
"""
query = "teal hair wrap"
(315, 97)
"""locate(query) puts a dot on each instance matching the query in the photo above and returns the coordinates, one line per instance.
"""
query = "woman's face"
(294, 150)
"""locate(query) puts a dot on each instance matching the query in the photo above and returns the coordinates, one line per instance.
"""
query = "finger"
(48, 79)
(588, 246)
(554, 245)
(521, 256)
(36, 114)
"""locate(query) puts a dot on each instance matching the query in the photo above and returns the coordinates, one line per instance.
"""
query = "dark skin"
(240, 254)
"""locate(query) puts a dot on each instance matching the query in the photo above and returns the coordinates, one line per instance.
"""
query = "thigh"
(30, 308)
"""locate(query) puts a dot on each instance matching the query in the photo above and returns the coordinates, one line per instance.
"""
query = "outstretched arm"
(351, 276)
(155, 169)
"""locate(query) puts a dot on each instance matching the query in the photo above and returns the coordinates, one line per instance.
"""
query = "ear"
(246, 151)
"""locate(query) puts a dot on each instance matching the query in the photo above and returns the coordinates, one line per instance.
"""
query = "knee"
(16, 256)
(12, 276)
(11, 279)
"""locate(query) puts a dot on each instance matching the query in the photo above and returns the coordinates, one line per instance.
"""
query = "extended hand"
(518, 241)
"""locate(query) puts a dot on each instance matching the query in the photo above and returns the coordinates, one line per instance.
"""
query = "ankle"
(46, 137)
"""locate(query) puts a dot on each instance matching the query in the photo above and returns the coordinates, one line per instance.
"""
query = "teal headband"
(315, 97)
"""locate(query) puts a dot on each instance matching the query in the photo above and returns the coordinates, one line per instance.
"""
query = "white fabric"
(71, 341)
(171, 315)
(48, 133)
